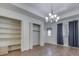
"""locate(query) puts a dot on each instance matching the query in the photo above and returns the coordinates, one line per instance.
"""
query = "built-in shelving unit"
(36, 34)
(10, 34)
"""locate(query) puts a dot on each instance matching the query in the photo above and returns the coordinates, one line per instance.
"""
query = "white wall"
(42, 33)
(25, 38)
(65, 21)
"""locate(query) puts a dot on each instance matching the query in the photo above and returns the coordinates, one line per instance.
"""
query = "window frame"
(49, 31)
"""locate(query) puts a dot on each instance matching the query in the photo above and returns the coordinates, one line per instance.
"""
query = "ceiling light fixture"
(52, 17)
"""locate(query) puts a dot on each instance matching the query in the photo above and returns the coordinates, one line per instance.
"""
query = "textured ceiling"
(42, 9)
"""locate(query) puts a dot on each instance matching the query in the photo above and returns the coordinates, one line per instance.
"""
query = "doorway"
(59, 34)
(73, 33)
(36, 34)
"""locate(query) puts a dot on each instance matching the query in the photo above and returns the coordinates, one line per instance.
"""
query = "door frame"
(31, 34)
(61, 42)
(38, 32)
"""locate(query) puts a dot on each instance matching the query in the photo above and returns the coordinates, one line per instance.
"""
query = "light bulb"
(58, 17)
(50, 14)
(56, 20)
(46, 18)
(55, 15)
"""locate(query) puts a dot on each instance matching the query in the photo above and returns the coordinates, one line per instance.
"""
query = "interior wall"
(25, 21)
(53, 38)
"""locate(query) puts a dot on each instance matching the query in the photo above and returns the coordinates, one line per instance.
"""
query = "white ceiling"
(42, 9)
(46, 7)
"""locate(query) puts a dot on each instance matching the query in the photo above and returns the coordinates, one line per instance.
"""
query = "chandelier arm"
(51, 8)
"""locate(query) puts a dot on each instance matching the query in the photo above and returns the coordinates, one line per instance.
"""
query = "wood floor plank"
(47, 50)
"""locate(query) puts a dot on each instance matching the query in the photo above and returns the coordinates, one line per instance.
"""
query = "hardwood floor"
(47, 50)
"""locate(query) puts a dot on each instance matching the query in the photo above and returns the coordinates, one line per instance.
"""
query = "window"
(49, 31)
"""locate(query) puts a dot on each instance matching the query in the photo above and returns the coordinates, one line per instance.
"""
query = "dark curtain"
(73, 33)
(59, 34)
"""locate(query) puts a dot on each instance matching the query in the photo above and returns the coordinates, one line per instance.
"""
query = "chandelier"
(52, 17)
